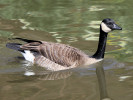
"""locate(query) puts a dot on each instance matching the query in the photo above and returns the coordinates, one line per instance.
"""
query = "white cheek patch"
(105, 28)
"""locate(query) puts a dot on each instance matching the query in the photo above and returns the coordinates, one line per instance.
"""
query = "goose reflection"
(40, 73)
(102, 82)
(43, 74)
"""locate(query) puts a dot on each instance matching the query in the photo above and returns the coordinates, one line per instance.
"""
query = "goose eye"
(110, 24)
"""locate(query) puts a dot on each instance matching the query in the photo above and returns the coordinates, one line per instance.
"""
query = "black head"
(108, 25)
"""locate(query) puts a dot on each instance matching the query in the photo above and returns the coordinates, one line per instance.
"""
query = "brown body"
(55, 56)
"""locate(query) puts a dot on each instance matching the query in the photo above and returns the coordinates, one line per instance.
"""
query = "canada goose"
(56, 56)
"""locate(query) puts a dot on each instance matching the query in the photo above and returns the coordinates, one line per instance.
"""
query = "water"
(73, 22)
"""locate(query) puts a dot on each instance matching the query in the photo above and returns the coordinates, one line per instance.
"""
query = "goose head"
(109, 25)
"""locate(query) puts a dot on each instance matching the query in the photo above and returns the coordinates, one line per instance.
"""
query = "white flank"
(105, 28)
(28, 56)
(92, 61)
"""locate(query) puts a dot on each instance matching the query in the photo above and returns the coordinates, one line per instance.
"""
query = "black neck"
(101, 45)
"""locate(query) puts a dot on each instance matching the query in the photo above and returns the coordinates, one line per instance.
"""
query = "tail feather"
(28, 55)
(14, 46)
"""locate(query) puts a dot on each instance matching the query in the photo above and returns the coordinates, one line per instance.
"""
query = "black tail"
(28, 41)
(15, 46)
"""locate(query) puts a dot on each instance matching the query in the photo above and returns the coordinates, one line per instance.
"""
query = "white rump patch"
(105, 28)
(28, 56)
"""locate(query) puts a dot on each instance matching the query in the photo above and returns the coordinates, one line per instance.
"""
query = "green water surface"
(73, 22)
